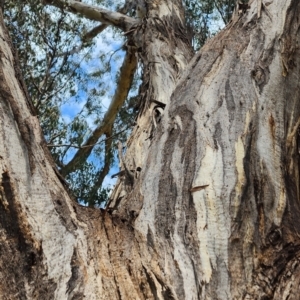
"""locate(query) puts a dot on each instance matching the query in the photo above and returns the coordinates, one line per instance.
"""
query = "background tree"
(68, 78)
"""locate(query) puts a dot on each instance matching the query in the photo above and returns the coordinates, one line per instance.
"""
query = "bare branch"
(88, 36)
(95, 13)
(220, 12)
(94, 32)
(125, 81)
(107, 161)
(110, 137)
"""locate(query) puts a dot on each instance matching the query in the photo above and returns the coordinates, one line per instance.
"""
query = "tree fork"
(231, 126)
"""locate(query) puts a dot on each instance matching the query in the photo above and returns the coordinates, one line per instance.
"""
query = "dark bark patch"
(168, 295)
(272, 127)
(183, 138)
(167, 185)
(151, 285)
(289, 280)
(217, 135)
(18, 249)
(276, 269)
(245, 194)
(260, 76)
(76, 279)
(150, 238)
(64, 213)
(289, 47)
(229, 100)
(275, 236)
(291, 220)
(261, 72)
(165, 212)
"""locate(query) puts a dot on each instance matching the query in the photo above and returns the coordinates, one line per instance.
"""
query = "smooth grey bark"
(214, 211)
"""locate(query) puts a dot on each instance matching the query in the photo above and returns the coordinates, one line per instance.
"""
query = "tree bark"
(214, 211)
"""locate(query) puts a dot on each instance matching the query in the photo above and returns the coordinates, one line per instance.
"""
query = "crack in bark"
(76, 281)
(110, 256)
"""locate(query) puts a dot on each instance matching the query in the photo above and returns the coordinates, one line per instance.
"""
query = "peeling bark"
(230, 128)
(165, 52)
(214, 212)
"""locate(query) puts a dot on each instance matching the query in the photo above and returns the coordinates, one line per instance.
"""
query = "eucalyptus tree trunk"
(208, 206)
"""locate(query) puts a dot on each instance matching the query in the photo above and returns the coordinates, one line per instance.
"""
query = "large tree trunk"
(214, 212)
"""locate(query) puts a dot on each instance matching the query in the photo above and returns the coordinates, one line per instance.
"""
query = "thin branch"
(88, 36)
(220, 12)
(110, 57)
(107, 162)
(69, 145)
(87, 146)
(124, 84)
(56, 135)
(94, 32)
(95, 13)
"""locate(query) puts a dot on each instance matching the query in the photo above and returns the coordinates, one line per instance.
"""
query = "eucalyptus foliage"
(206, 17)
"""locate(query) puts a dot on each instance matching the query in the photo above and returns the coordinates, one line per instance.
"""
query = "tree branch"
(107, 162)
(95, 13)
(95, 31)
(88, 36)
(220, 12)
(110, 137)
(126, 77)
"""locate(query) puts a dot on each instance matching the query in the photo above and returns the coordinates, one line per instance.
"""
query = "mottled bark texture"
(214, 212)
